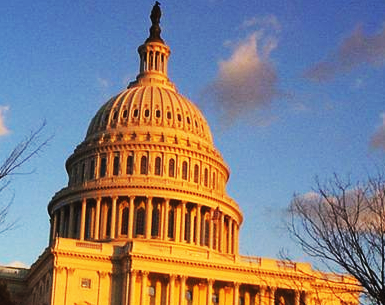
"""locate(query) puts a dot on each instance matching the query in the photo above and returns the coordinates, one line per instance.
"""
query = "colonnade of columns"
(152, 288)
(146, 217)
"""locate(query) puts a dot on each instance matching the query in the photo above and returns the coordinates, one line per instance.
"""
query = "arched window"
(171, 215)
(116, 164)
(130, 165)
(187, 225)
(155, 221)
(206, 177)
(103, 167)
(143, 165)
(171, 168)
(139, 227)
(158, 166)
(207, 231)
(214, 184)
(184, 170)
(108, 224)
(196, 173)
(124, 221)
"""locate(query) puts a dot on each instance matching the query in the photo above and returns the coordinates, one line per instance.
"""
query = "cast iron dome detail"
(148, 168)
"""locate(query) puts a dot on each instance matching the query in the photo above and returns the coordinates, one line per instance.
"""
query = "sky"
(291, 89)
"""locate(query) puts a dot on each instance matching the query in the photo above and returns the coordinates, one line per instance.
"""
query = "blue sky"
(291, 90)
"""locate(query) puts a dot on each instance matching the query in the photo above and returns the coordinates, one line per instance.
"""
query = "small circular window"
(179, 117)
(115, 115)
(146, 113)
(188, 120)
(125, 113)
(169, 115)
(157, 113)
(136, 113)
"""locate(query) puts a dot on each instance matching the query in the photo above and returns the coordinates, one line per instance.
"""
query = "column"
(61, 228)
(297, 295)
(182, 291)
(158, 292)
(272, 296)
(236, 294)
(211, 234)
(132, 287)
(97, 217)
(262, 296)
(113, 217)
(148, 221)
(230, 237)
(83, 219)
(235, 238)
(209, 295)
(221, 232)
(131, 213)
(55, 229)
(171, 289)
(144, 294)
(247, 298)
(177, 235)
(165, 225)
(198, 225)
(182, 221)
(191, 240)
(71, 221)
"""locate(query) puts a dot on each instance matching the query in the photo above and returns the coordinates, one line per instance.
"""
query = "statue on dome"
(155, 30)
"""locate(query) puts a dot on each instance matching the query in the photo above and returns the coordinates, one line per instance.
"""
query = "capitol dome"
(148, 169)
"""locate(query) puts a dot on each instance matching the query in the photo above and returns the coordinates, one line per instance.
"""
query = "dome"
(153, 110)
(148, 169)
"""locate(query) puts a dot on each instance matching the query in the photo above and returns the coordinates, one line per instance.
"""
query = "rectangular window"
(92, 170)
(116, 164)
(86, 283)
(103, 167)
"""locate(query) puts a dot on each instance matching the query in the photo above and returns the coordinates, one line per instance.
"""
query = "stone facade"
(145, 218)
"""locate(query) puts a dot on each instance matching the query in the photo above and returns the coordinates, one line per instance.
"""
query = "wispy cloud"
(247, 80)
(3, 129)
(103, 83)
(355, 50)
(378, 139)
(265, 22)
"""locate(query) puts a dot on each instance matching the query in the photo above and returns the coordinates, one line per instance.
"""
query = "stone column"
(247, 298)
(148, 221)
(172, 289)
(209, 295)
(158, 292)
(177, 235)
(144, 290)
(70, 231)
(235, 238)
(132, 287)
(97, 217)
(297, 295)
(211, 232)
(183, 221)
(191, 240)
(221, 232)
(83, 219)
(61, 228)
(230, 237)
(236, 294)
(131, 213)
(182, 290)
(198, 225)
(272, 295)
(165, 225)
(262, 296)
(113, 217)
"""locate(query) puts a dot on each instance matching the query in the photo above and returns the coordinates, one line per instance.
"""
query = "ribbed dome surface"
(150, 107)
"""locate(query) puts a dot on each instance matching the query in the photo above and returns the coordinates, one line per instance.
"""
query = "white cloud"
(104, 83)
(17, 264)
(3, 129)
(247, 80)
(355, 50)
(378, 139)
(267, 22)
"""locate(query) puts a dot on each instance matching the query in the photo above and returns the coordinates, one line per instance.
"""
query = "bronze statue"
(155, 30)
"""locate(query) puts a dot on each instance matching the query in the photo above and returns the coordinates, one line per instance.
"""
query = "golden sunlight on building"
(145, 218)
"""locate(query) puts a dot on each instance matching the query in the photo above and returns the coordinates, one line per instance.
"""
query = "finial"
(155, 30)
